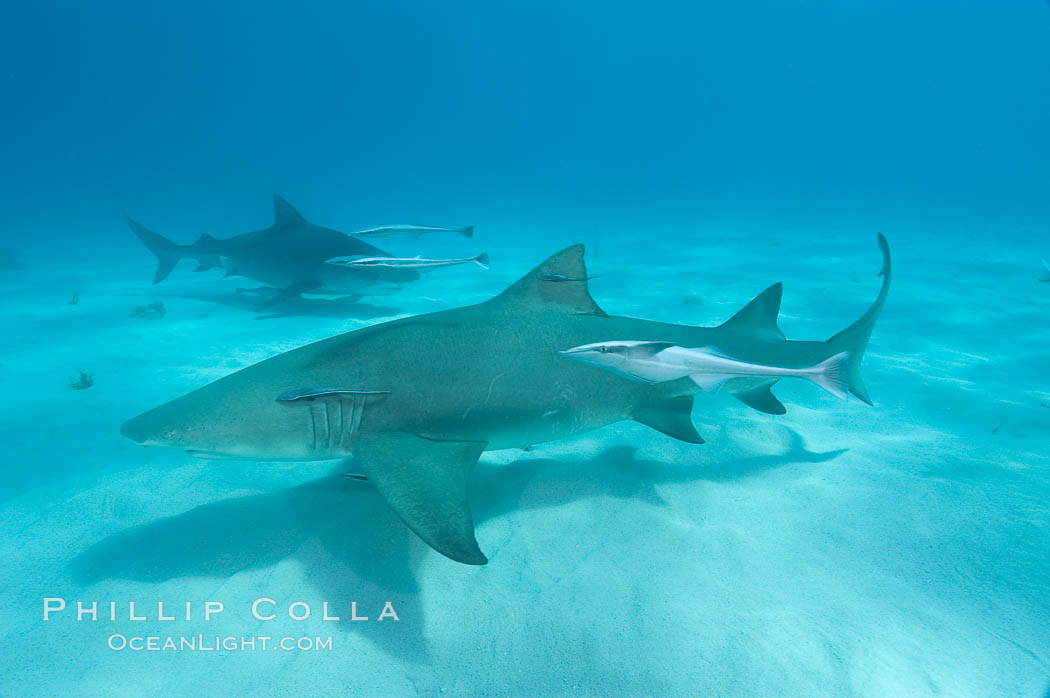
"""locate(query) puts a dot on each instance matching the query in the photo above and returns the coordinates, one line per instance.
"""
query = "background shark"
(289, 256)
(417, 400)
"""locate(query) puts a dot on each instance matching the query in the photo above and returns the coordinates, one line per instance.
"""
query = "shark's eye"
(603, 349)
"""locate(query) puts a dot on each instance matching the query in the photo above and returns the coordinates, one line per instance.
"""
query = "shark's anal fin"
(425, 483)
(672, 417)
(535, 287)
(759, 317)
(762, 399)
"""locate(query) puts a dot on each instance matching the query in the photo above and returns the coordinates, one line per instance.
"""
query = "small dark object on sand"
(693, 299)
(154, 309)
(75, 299)
(85, 381)
(9, 260)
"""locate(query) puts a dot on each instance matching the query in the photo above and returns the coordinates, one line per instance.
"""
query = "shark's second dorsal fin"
(284, 213)
(760, 315)
(571, 293)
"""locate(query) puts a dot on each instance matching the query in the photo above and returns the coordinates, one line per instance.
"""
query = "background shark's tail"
(854, 339)
(168, 253)
(467, 232)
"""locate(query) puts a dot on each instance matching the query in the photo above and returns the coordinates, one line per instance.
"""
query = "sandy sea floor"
(840, 549)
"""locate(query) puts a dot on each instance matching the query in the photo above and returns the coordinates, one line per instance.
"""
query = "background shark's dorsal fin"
(760, 315)
(572, 293)
(284, 213)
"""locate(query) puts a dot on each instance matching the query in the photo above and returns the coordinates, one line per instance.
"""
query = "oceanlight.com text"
(217, 643)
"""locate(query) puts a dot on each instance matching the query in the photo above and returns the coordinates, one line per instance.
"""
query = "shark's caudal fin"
(284, 213)
(168, 253)
(854, 339)
(535, 287)
(482, 260)
(467, 232)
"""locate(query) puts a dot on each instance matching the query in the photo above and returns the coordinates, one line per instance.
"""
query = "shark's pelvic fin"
(672, 417)
(425, 483)
(854, 339)
(762, 399)
(760, 315)
(574, 297)
(284, 213)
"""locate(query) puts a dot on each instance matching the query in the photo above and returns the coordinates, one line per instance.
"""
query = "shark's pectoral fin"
(672, 417)
(762, 399)
(425, 483)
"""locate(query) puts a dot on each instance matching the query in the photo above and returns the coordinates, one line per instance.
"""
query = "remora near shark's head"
(416, 401)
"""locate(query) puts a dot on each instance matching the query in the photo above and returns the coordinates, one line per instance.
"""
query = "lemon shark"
(289, 256)
(416, 401)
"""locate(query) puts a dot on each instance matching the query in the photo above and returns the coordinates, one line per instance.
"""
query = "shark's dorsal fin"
(574, 297)
(284, 213)
(760, 315)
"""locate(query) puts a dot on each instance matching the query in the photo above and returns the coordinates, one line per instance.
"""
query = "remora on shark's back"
(289, 256)
(710, 368)
(417, 400)
(482, 260)
(413, 229)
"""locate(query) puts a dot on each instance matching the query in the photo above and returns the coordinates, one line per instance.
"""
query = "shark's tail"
(832, 374)
(168, 253)
(467, 232)
(482, 260)
(854, 339)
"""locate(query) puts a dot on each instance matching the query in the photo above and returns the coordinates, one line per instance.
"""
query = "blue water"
(701, 151)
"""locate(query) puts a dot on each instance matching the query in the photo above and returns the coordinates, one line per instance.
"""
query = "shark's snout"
(135, 430)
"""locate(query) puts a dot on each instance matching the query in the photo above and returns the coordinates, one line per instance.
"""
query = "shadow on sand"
(354, 546)
(341, 307)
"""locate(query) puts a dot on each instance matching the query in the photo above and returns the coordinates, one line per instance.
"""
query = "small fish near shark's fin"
(760, 315)
(311, 394)
(284, 213)
(672, 417)
(762, 399)
(285, 295)
(710, 382)
(574, 297)
(208, 262)
(425, 483)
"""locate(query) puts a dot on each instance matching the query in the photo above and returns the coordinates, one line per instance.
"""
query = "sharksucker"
(485, 377)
